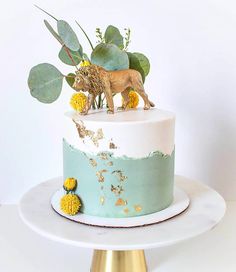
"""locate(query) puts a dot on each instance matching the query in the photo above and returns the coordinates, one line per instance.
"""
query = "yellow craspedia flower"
(133, 100)
(78, 101)
(70, 184)
(70, 204)
(84, 63)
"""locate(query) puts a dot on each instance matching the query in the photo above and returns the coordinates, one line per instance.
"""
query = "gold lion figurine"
(96, 80)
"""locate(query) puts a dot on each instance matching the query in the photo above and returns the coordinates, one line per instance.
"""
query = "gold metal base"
(118, 261)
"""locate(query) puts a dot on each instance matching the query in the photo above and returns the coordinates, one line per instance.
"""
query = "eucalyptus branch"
(46, 12)
(69, 55)
(85, 35)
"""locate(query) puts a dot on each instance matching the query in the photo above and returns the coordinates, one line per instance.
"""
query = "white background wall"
(192, 48)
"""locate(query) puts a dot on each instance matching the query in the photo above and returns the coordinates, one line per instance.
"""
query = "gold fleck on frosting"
(126, 210)
(110, 163)
(70, 204)
(103, 156)
(138, 208)
(70, 184)
(112, 146)
(117, 190)
(83, 132)
(100, 176)
(102, 200)
(120, 175)
(93, 162)
(121, 202)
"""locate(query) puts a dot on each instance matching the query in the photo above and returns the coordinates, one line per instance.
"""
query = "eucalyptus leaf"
(53, 32)
(134, 63)
(68, 35)
(110, 57)
(112, 35)
(70, 79)
(144, 62)
(45, 82)
(75, 55)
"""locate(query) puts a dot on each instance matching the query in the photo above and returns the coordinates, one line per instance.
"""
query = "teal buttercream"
(120, 186)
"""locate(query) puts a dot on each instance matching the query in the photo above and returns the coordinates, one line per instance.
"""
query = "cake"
(124, 163)
(118, 162)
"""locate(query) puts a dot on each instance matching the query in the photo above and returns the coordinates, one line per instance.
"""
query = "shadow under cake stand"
(119, 249)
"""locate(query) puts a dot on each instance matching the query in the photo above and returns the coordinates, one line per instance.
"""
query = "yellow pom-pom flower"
(78, 101)
(133, 100)
(84, 63)
(70, 204)
(70, 184)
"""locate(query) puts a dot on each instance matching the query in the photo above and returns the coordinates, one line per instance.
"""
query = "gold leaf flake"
(93, 162)
(110, 163)
(121, 202)
(126, 210)
(102, 200)
(120, 175)
(112, 145)
(138, 208)
(117, 190)
(100, 134)
(103, 156)
(83, 132)
(100, 176)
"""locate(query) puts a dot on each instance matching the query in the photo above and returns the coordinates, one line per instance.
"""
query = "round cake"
(123, 163)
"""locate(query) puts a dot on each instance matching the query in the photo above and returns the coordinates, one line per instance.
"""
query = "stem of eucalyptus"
(46, 12)
(69, 55)
(85, 35)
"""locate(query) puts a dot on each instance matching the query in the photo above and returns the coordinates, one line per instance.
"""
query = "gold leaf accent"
(112, 145)
(117, 190)
(126, 210)
(138, 208)
(121, 202)
(100, 176)
(120, 175)
(93, 162)
(103, 156)
(83, 132)
(102, 200)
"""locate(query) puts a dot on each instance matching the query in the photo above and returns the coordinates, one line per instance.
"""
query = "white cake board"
(206, 209)
(179, 204)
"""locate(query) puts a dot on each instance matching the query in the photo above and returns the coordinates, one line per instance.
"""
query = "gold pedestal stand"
(119, 261)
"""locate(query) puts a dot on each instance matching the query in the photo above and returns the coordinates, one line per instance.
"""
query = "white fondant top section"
(133, 133)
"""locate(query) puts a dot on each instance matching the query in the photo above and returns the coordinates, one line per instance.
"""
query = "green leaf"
(85, 57)
(76, 56)
(68, 35)
(112, 35)
(45, 82)
(110, 57)
(53, 32)
(135, 64)
(144, 62)
(70, 79)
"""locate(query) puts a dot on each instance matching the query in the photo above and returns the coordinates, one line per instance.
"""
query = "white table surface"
(22, 250)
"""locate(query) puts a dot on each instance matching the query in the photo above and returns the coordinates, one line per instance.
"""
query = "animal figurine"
(96, 80)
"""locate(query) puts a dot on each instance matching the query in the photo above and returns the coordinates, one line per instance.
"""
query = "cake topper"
(109, 70)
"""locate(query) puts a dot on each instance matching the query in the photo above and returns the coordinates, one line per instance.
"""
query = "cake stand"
(116, 249)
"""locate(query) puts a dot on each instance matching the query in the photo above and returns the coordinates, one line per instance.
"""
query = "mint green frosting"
(120, 186)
